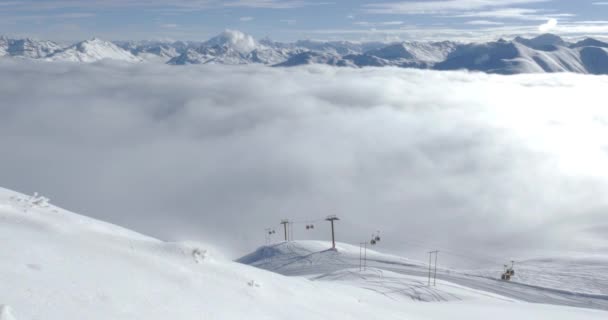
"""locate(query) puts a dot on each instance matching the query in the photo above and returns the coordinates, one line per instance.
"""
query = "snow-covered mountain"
(157, 51)
(406, 55)
(27, 48)
(234, 47)
(338, 47)
(545, 53)
(91, 51)
(58, 265)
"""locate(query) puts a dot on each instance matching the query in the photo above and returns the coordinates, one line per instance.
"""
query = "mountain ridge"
(542, 54)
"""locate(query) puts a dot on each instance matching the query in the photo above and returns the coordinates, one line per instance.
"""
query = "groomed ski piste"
(58, 265)
(579, 282)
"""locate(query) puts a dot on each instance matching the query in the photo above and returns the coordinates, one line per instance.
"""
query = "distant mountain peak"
(235, 39)
(544, 41)
(93, 50)
(590, 42)
(549, 38)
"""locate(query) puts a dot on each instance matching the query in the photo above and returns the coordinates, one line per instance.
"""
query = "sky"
(491, 167)
(289, 20)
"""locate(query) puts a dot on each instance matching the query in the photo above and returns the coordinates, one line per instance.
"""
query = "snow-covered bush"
(27, 202)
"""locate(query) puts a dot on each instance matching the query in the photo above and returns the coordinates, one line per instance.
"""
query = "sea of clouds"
(484, 166)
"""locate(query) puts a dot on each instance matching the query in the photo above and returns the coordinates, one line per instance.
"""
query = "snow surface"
(6, 313)
(58, 265)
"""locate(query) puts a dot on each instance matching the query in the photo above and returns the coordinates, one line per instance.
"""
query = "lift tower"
(331, 219)
(285, 222)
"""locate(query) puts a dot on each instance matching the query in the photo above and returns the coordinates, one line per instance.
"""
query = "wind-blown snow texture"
(545, 53)
(57, 265)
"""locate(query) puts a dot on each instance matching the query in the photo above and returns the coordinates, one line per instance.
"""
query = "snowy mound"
(91, 51)
(317, 257)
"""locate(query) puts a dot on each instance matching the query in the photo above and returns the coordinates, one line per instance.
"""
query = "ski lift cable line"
(308, 221)
(457, 251)
(468, 256)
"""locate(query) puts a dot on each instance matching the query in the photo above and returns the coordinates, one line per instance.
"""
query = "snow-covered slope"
(56, 265)
(91, 51)
(584, 286)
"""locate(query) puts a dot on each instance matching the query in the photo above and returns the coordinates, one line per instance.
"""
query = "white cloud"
(433, 7)
(169, 25)
(183, 5)
(568, 29)
(246, 19)
(269, 4)
(548, 26)
(290, 22)
(484, 22)
(511, 13)
(376, 24)
(184, 153)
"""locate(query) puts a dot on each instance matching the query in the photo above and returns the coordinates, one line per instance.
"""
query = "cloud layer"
(458, 161)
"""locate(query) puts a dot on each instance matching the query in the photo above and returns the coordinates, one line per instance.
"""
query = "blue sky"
(287, 20)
